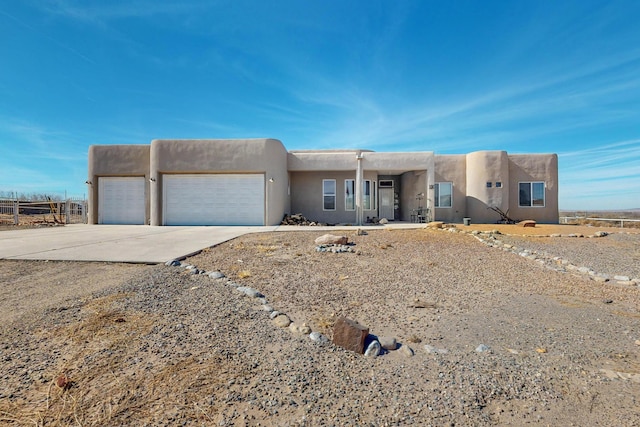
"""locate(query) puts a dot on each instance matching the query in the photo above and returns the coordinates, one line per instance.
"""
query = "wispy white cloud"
(601, 177)
(54, 40)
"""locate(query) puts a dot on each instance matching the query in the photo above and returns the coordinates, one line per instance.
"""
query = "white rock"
(482, 348)
(274, 314)
(621, 278)
(249, 292)
(267, 308)
(433, 350)
(373, 349)
(318, 337)
(216, 275)
(303, 329)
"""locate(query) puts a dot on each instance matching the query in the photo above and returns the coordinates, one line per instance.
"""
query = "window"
(488, 184)
(444, 194)
(350, 194)
(369, 195)
(498, 184)
(329, 194)
(531, 194)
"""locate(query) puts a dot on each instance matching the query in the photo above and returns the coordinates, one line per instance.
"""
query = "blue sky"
(443, 76)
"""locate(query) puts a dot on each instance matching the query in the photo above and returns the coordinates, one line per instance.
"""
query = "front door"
(386, 207)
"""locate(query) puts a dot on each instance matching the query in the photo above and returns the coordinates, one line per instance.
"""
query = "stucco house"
(257, 181)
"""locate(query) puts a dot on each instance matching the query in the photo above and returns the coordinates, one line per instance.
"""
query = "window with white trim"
(329, 194)
(350, 194)
(443, 194)
(531, 194)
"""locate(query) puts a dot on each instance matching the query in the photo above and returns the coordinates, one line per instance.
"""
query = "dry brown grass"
(104, 387)
(243, 274)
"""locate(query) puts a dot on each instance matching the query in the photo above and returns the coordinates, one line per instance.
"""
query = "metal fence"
(43, 212)
(581, 219)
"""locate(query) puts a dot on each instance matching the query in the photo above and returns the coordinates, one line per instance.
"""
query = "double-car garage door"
(213, 199)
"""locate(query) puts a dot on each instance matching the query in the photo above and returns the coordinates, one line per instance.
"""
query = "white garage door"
(224, 199)
(121, 200)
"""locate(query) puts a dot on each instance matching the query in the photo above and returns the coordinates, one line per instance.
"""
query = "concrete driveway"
(115, 243)
(134, 243)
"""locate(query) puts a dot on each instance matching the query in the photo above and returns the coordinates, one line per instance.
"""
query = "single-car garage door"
(121, 200)
(221, 199)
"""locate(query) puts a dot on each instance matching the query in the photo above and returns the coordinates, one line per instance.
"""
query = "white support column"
(359, 189)
(16, 212)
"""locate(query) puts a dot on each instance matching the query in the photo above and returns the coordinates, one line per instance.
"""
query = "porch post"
(359, 189)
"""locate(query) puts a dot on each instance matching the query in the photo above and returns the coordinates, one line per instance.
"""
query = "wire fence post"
(16, 207)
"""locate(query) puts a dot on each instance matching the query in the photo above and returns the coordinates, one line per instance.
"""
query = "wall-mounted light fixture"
(152, 180)
(430, 186)
(88, 182)
(271, 180)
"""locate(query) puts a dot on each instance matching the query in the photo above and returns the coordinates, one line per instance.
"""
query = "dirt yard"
(116, 344)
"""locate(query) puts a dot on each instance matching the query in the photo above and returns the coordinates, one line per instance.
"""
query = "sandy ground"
(144, 345)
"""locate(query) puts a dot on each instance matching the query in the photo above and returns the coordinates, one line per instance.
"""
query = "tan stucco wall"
(116, 160)
(266, 156)
(483, 167)
(452, 168)
(297, 176)
(306, 196)
(307, 161)
(534, 167)
(397, 163)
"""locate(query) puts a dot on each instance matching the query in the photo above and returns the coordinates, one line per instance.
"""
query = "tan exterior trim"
(116, 160)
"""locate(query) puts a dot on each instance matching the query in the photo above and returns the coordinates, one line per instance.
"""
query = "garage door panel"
(121, 200)
(224, 199)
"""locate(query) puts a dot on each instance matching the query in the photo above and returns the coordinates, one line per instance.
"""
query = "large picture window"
(531, 194)
(444, 194)
(329, 194)
(350, 194)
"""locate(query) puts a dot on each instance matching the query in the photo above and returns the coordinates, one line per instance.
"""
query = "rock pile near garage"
(299, 219)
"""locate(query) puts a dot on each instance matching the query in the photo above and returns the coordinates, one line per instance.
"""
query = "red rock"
(527, 223)
(349, 334)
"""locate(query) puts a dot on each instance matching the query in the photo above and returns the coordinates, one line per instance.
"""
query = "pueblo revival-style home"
(257, 182)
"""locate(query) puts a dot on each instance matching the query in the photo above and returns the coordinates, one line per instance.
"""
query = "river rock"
(406, 350)
(388, 343)
(282, 320)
